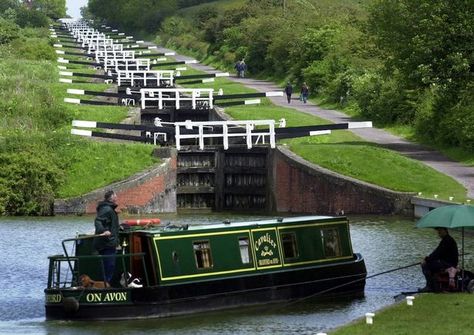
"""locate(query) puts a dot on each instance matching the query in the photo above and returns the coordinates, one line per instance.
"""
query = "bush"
(383, 100)
(438, 120)
(34, 49)
(174, 26)
(28, 179)
(8, 31)
(457, 129)
(31, 18)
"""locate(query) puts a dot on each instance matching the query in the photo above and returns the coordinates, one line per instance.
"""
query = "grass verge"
(434, 314)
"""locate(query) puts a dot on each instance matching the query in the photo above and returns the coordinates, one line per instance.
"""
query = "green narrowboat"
(166, 270)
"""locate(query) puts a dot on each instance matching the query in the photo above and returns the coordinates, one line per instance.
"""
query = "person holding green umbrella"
(450, 216)
(443, 257)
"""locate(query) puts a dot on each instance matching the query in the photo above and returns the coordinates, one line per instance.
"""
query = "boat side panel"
(177, 258)
(347, 278)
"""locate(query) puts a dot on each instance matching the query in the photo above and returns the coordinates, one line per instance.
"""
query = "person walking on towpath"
(304, 92)
(240, 67)
(107, 226)
(288, 91)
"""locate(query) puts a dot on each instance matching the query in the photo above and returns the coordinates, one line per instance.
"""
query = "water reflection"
(386, 243)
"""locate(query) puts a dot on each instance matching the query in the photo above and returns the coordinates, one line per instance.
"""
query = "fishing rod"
(358, 280)
(348, 283)
(392, 270)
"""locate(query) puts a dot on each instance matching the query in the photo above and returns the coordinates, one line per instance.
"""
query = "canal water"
(385, 242)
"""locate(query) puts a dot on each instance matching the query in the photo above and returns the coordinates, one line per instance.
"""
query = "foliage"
(429, 42)
(8, 31)
(189, 3)
(132, 15)
(54, 9)
(34, 49)
(427, 47)
(23, 16)
(9, 4)
(28, 178)
(31, 18)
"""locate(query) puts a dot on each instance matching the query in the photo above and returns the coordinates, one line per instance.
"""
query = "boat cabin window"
(290, 249)
(244, 250)
(202, 253)
(175, 257)
(331, 242)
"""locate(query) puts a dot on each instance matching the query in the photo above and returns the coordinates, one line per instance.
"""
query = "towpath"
(463, 174)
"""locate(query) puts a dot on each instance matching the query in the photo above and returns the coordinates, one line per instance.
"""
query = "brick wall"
(303, 187)
(150, 191)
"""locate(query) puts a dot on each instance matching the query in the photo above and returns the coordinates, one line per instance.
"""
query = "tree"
(54, 9)
(429, 41)
(428, 46)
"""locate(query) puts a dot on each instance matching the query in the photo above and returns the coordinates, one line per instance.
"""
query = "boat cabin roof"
(170, 228)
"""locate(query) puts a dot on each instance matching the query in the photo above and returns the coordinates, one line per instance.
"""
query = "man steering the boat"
(107, 227)
(443, 257)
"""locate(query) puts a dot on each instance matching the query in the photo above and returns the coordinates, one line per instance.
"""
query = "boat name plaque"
(266, 249)
(92, 297)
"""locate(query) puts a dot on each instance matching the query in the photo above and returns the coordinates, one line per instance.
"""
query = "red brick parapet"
(302, 187)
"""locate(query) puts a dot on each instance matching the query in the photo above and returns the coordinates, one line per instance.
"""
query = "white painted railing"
(101, 56)
(220, 129)
(199, 98)
(146, 78)
(129, 64)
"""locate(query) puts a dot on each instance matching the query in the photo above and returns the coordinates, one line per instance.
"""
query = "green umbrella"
(451, 216)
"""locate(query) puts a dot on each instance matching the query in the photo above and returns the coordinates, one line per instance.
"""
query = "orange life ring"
(141, 222)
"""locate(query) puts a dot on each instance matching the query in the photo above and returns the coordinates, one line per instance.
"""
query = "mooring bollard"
(410, 299)
(369, 318)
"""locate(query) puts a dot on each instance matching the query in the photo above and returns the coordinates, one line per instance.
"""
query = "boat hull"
(345, 278)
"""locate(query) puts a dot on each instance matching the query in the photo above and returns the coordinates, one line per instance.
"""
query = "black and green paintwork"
(187, 269)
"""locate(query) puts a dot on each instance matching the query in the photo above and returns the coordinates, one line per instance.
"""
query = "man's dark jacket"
(446, 251)
(106, 219)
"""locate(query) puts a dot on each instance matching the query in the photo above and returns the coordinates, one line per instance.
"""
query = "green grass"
(433, 314)
(91, 164)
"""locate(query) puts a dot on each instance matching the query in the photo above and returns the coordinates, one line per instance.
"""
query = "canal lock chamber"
(237, 179)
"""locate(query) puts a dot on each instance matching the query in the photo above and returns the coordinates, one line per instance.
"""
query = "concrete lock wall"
(150, 191)
(303, 187)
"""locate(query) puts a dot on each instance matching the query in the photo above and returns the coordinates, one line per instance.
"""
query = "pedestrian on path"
(304, 92)
(240, 67)
(288, 91)
(237, 68)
